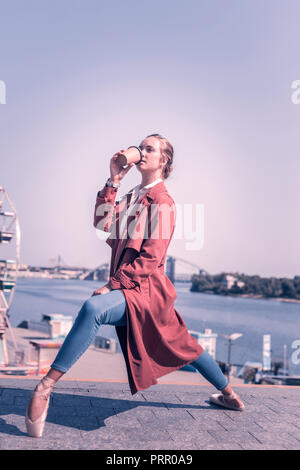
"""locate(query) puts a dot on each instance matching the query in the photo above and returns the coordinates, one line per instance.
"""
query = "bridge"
(101, 272)
(173, 272)
(174, 269)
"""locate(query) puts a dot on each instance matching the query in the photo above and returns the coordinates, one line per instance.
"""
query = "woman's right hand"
(117, 172)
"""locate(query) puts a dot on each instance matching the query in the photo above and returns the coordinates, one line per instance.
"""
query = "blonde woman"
(139, 298)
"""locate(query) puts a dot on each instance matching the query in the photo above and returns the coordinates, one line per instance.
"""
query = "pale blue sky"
(86, 78)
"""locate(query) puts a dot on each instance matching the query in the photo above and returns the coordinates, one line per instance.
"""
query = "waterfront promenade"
(95, 364)
(104, 415)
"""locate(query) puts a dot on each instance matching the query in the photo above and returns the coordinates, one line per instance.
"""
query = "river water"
(224, 315)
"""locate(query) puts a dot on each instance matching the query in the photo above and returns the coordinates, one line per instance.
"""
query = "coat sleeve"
(160, 227)
(107, 213)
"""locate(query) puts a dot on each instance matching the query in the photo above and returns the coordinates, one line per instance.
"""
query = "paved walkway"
(104, 415)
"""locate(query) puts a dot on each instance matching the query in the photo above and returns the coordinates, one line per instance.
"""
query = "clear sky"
(87, 78)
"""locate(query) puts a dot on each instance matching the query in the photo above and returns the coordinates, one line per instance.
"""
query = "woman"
(139, 298)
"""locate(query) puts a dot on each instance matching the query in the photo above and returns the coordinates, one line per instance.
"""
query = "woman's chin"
(140, 168)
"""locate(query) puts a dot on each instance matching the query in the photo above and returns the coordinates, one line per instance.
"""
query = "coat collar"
(152, 192)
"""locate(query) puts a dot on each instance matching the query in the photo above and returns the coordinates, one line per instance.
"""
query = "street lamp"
(284, 360)
(230, 338)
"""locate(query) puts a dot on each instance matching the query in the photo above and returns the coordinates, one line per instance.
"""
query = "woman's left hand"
(102, 290)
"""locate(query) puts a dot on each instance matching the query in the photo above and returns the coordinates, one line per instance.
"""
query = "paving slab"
(101, 415)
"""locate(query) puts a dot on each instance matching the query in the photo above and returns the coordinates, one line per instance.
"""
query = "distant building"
(21, 267)
(229, 280)
(206, 339)
(202, 272)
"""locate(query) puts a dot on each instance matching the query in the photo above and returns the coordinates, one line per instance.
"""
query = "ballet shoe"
(36, 428)
(231, 401)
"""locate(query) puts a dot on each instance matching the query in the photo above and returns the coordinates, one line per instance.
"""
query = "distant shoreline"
(252, 296)
(259, 296)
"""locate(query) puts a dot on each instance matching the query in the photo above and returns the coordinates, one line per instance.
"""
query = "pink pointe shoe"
(232, 401)
(43, 389)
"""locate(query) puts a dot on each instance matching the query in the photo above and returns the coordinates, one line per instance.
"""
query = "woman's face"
(151, 160)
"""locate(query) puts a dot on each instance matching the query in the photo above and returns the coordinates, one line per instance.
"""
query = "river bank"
(279, 299)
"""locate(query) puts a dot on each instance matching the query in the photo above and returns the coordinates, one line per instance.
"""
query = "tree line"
(253, 285)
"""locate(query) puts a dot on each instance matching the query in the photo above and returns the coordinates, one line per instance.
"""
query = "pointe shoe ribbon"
(43, 390)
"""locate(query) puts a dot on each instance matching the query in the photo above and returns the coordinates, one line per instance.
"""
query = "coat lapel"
(140, 217)
(152, 192)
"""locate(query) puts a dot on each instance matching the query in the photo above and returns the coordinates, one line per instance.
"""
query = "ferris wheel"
(10, 236)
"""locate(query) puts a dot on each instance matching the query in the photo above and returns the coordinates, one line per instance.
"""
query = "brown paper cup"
(131, 155)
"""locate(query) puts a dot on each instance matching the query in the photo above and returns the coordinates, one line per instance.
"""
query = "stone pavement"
(103, 415)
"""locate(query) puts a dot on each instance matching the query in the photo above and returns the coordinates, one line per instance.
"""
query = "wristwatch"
(112, 185)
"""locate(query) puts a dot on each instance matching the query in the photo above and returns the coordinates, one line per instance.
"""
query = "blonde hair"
(167, 151)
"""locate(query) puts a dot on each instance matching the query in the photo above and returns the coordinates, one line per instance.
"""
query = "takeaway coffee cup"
(132, 155)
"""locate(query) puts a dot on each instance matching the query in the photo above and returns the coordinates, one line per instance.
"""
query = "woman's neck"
(148, 179)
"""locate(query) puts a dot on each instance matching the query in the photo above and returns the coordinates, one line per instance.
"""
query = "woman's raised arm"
(106, 212)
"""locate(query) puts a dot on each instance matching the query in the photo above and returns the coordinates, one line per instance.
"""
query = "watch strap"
(112, 185)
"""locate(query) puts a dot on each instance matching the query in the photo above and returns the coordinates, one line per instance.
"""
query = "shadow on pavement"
(84, 412)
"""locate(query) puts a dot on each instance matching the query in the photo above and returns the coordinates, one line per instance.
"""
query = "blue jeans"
(109, 309)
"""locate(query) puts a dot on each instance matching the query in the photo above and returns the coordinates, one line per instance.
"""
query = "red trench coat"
(155, 340)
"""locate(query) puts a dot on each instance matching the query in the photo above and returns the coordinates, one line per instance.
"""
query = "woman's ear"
(163, 160)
